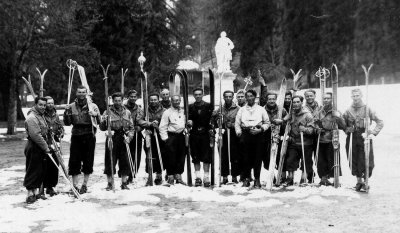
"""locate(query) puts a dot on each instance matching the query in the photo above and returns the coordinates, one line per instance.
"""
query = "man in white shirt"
(172, 126)
(251, 121)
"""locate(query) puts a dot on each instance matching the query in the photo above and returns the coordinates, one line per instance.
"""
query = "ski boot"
(257, 183)
(83, 189)
(158, 179)
(235, 180)
(288, 182)
(224, 180)
(246, 182)
(207, 182)
(109, 186)
(198, 182)
(51, 192)
(124, 186)
(178, 179)
(31, 199)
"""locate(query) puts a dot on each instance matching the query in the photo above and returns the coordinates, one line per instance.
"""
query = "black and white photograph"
(157, 116)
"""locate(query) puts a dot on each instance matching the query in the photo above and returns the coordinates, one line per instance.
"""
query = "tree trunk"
(12, 107)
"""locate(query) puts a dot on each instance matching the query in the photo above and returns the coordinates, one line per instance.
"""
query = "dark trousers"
(51, 176)
(234, 158)
(36, 161)
(253, 152)
(119, 154)
(200, 147)
(154, 153)
(132, 145)
(295, 155)
(325, 160)
(81, 154)
(175, 151)
(358, 159)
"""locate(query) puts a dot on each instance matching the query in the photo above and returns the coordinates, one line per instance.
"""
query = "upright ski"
(367, 140)
(275, 136)
(212, 138)
(335, 132)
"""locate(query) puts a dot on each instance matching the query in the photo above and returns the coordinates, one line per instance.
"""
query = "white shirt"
(250, 116)
(172, 120)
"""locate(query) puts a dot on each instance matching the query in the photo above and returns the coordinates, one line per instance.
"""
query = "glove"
(154, 124)
(189, 123)
(335, 114)
(229, 124)
(277, 121)
(211, 133)
(302, 128)
(138, 129)
(319, 130)
(349, 130)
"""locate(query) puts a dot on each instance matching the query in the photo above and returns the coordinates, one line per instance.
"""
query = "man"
(36, 149)
(324, 125)
(121, 124)
(288, 101)
(172, 127)
(83, 138)
(272, 109)
(55, 126)
(300, 120)
(355, 117)
(156, 111)
(251, 120)
(314, 109)
(229, 111)
(165, 101)
(241, 101)
(199, 121)
(135, 145)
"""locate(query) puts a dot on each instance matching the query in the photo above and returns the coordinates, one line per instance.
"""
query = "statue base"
(226, 84)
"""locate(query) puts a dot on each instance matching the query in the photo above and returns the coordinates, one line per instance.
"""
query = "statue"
(223, 53)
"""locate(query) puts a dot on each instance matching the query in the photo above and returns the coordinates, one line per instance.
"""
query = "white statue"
(223, 53)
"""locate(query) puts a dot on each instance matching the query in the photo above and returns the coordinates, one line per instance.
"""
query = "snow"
(263, 204)
(317, 200)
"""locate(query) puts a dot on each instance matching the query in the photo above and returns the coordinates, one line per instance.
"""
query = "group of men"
(246, 138)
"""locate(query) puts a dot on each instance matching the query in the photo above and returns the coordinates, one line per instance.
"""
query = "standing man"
(355, 117)
(272, 109)
(172, 127)
(122, 126)
(251, 120)
(241, 100)
(55, 126)
(156, 111)
(324, 126)
(165, 101)
(36, 149)
(199, 120)
(83, 139)
(135, 145)
(300, 120)
(288, 101)
(229, 111)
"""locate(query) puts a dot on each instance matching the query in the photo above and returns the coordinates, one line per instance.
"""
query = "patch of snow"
(191, 215)
(317, 200)
(161, 227)
(253, 204)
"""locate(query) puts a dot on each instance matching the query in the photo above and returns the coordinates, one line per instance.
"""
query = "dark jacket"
(37, 129)
(155, 115)
(326, 121)
(313, 109)
(137, 113)
(301, 118)
(79, 117)
(200, 114)
(54, 123)
(166, 103)
(229, 115)
(273, 114)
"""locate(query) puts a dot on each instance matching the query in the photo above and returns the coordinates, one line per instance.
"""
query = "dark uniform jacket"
(166, 103)
(156, 114)
(37, 129)
(326, 121)
(313, 109)
(54, 123)
(229, 115)
(273, 114)
(79, 117)
(137, 113)
(200, 114)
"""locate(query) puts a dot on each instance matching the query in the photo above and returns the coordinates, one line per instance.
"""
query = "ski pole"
(158, 150)
(351, 153)
(136, 149)
(304, 157)
(228, 131)
(128, 153)
(316, 156)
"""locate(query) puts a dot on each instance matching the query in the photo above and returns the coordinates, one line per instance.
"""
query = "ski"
(90, 104)
(296, 78)
(212, 138)
(275, 136)
(41, 90)
(187, 134)
(109, 133)
(367, 140)
(335, 132)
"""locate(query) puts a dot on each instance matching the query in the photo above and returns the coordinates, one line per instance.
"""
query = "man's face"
(81, 93)
(250, 98)
(165, 95)
(176, 101)
(288, 99)
(41, 106)
(271, 100)
(198, 95)
(50, 104)
(228, 98)
(117, 101)
(310, 97)
(356, 96)
(296, 103)
(240, 98)
(153, 100)
(132, 98)
(327, 100)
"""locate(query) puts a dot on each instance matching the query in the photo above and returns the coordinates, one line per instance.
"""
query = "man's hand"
(189, 123)
(335, 114)
(68, 107)
(255, 130)
(302, 128)
(155, 124)
(93, 113)
(277, 121)
(349, 130)
(319, 130)
(103, 117)
(127, 140)
(229, 124)
(138, 129)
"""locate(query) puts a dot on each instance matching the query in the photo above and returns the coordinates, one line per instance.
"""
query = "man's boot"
(171, 180)
(158, 179)
(246, 182)
(207, 182)
(224, 180)
(257, 183)
(198, 182)
(51, 191)
(124, 186)
(178, 179)
(234, 179)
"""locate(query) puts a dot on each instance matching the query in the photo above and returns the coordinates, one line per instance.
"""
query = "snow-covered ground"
(229, 208)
